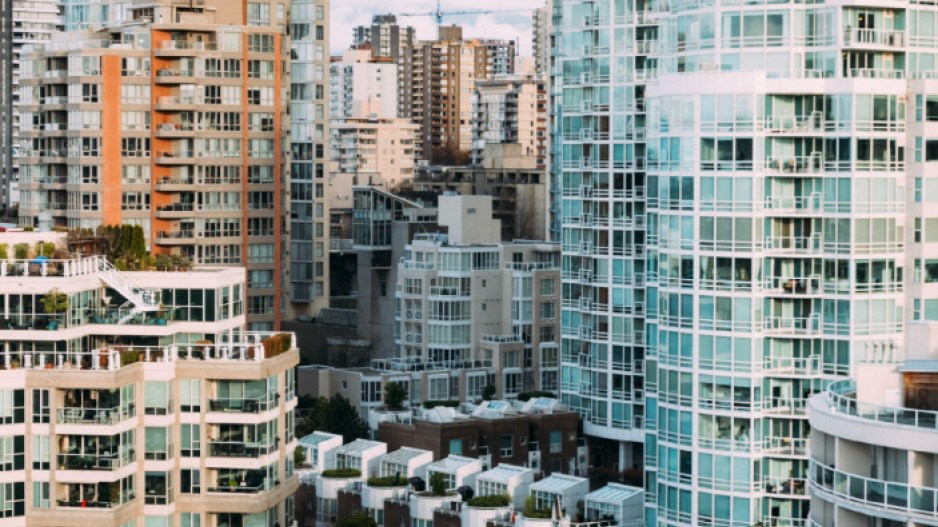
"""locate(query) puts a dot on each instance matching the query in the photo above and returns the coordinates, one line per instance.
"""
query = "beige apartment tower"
(445, 72)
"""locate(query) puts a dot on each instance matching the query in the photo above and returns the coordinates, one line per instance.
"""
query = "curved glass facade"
(743, 186)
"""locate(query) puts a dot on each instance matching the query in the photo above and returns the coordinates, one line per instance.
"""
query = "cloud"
(347, 14)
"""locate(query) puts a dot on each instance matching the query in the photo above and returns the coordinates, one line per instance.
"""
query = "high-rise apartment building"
(371, 151)
(6, 95)
(388, 39)
(498, 56)
(464, 296)
(22, 23)
(179, 127)
(510, 110)
(735, 231)
(139, 398)
(362, 86)
(444, 76)
(309, 149)
(540, 39)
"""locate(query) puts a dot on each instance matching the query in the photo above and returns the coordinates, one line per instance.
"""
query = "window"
(556, 441)
(41, 498)
(11, 406)
(158, 488)
(506, 443)
(190, 395)
(12, 453)
(547, 310)
(190, 482)
(12, 499)
(156, 444)
(40, 452)
(548, 287)
(261, 253)
(40, 405)
(260, 279)
(455, 447)
(157, 399)
(191, 519)
(190, 440)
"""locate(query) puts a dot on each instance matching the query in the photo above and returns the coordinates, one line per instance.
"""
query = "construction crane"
(439, 13)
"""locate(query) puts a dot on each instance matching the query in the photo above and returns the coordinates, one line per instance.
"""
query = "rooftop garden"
(340, 473)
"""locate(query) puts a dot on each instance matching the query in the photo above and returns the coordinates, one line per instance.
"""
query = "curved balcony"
(838, 412)
(874, 497)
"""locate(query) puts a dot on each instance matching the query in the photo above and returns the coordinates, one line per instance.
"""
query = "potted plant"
(4, 251)
(21, 251)
(54, 302)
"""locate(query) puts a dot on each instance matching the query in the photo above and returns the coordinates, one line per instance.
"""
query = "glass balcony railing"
(876, 493)
(841, 397)
(95, 461)
(241, 448)
(103, 416)
(241, 405)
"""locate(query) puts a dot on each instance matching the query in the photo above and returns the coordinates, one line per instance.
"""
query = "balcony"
(175, 76)
(249, 406)
(862, 38)
(875, 495)
(175, 130)
(99, 416)
(175, 237)
(95, 496)
(840, 398)
(175, 211)
(109, 460)
(241, 448)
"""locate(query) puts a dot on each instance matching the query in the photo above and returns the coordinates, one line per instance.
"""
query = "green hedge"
(342, 473)
(433, 404)
(276, 344)
(527, 396)
(493, 500)
(389, 481)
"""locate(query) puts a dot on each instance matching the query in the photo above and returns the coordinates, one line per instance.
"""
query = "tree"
(357, 519)
(438, 484)
(335, 415)
(394, 396)
(54, 302)
(449, 154)
(488, 393)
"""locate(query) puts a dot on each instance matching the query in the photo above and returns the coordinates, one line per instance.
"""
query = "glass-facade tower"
(309, 135)
(747, 196)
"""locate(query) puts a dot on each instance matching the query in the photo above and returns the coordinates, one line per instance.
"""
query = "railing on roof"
(841, 397)
(256, 348)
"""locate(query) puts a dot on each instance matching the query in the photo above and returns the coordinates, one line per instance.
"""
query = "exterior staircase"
(140, 300)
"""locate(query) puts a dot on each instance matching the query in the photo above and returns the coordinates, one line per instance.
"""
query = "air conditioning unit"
(586, 303)
(586, 191)
(586, 275)
(586, 247)
(586, 332)
(586, 219)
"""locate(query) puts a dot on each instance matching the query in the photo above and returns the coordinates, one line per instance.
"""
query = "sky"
(346, 14)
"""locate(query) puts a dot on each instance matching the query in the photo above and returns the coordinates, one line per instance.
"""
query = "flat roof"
(920, 366)
(316, 437)
(614, 493)
(502, 473)
(402, 456)
(358, 446)
(557, 483)
(452, 463)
